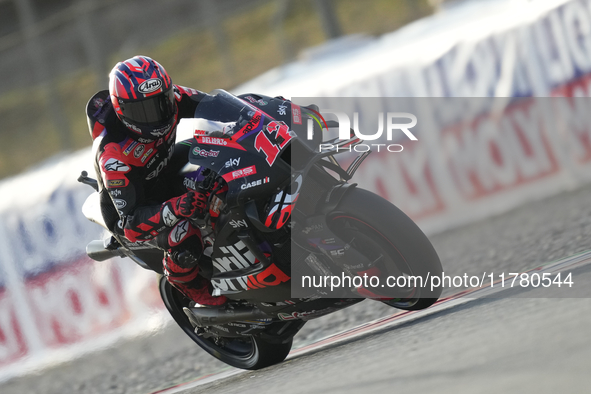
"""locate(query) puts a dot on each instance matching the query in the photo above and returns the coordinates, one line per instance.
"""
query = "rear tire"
(246, 353)
(385, 230)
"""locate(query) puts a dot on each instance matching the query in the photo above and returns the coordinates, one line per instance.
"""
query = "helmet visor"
(151, 111)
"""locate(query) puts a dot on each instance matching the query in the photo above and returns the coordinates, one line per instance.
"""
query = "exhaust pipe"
(203, 317)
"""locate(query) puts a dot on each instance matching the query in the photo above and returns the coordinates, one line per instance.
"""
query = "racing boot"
(185, 277)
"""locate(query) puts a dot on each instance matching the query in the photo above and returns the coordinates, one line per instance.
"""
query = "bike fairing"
(237, 269)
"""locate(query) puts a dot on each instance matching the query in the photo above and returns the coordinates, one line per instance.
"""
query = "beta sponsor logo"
(255, 183)
(240, 173)
(149, 86)
(213, 141)
(205, 153)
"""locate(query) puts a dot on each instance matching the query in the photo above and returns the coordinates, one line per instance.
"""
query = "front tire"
(250, 352)
(381, 231)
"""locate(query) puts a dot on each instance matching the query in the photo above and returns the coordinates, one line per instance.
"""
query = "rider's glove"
(190, 205)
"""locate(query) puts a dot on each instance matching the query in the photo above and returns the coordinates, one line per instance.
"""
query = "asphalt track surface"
(526, 341)
(525, 345)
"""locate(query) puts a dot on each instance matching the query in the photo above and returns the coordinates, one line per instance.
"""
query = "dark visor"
(151, 110)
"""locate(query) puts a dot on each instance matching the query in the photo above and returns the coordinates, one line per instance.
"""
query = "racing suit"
(140, 177)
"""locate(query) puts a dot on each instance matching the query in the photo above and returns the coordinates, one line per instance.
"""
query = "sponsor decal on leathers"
(116, 165)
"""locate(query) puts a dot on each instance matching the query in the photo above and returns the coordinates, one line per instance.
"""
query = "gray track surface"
(532, 345)
(483, 346)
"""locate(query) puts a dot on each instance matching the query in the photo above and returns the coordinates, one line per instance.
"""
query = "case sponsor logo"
(255, 183)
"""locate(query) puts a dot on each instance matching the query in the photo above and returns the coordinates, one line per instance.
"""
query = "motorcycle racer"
(133, 127)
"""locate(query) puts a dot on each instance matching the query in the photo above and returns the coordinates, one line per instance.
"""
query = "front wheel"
(249, 352)
(394, 244)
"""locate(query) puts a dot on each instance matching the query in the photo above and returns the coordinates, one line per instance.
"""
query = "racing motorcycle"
(289, 213)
